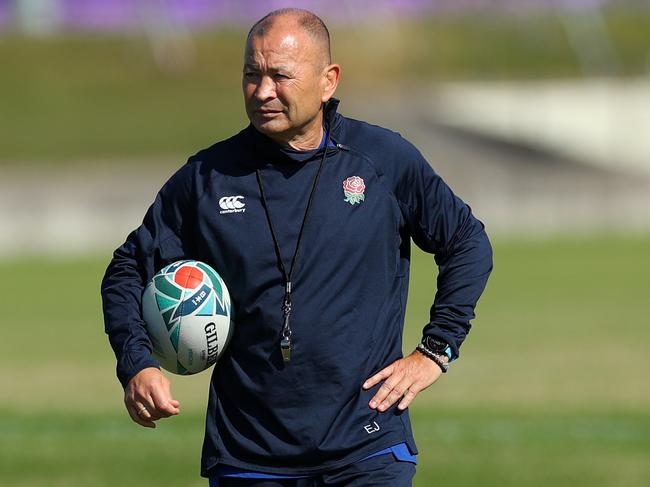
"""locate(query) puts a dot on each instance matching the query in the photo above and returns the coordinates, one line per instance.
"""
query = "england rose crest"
(353, 188)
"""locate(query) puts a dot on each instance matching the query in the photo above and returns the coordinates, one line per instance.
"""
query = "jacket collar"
(262, 147)
(331, 116)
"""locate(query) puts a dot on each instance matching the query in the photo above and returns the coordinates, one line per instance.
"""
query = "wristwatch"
(437, 350)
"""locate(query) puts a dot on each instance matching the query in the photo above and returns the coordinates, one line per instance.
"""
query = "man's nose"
(265, 89)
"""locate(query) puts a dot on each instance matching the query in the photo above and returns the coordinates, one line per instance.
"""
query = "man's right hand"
(148, 397)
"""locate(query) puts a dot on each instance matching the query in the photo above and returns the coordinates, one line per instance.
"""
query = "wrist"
(438, 346)
(439, 360)
(436, 350)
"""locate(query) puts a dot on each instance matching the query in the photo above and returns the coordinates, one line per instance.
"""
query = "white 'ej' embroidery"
(372, 427)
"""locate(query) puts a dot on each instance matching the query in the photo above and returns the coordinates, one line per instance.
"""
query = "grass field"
(551, 388)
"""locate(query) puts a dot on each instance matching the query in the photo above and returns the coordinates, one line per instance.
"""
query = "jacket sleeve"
(442, 224)
(162, 238)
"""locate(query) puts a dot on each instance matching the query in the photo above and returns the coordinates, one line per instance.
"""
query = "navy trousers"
(379, 471)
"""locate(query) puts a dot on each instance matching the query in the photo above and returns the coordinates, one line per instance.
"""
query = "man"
(313, 388)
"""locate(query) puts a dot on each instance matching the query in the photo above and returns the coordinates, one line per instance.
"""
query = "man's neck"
(309, 138)
(310, 141)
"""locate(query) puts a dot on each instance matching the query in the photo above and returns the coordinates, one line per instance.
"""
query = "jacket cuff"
(433, 330)
(131, 363)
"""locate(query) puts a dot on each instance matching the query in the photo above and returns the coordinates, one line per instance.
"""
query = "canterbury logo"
(231, 204)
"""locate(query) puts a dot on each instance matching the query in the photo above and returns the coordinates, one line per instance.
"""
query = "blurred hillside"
(95, 116)
(85, 96)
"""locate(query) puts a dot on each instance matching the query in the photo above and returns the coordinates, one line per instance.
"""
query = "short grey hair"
(309, 21)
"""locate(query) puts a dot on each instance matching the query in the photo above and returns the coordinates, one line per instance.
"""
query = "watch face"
(435, 345)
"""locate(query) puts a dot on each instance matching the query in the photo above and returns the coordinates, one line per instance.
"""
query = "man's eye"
(250, 74)
(281, 76)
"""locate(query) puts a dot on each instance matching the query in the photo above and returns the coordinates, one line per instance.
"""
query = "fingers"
(408, 397)
(396, 394)
(379, 376)
(148, 398)
(140, 419)
(392, 376)
(403, 380)
(164, 405)
(143, 411)
(390, 392)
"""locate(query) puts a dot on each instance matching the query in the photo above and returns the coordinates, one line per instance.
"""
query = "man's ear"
(331, 76)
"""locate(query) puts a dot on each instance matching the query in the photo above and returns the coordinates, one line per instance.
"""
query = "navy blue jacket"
(349, 288)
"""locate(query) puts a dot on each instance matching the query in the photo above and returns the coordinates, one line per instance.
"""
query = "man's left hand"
(404, 379)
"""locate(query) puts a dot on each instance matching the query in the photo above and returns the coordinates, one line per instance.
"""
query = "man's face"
(284, 83)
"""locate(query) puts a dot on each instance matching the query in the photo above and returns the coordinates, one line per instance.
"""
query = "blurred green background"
(86, 96)
(550, 387)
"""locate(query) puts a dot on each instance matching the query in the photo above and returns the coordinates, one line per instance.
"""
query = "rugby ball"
(187, 312)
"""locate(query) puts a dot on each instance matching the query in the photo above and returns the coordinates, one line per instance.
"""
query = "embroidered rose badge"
(353, 188)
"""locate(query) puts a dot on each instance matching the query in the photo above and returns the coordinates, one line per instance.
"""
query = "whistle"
(285, 348)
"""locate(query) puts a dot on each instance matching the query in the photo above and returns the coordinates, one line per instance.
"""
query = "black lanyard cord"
(285, 343)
